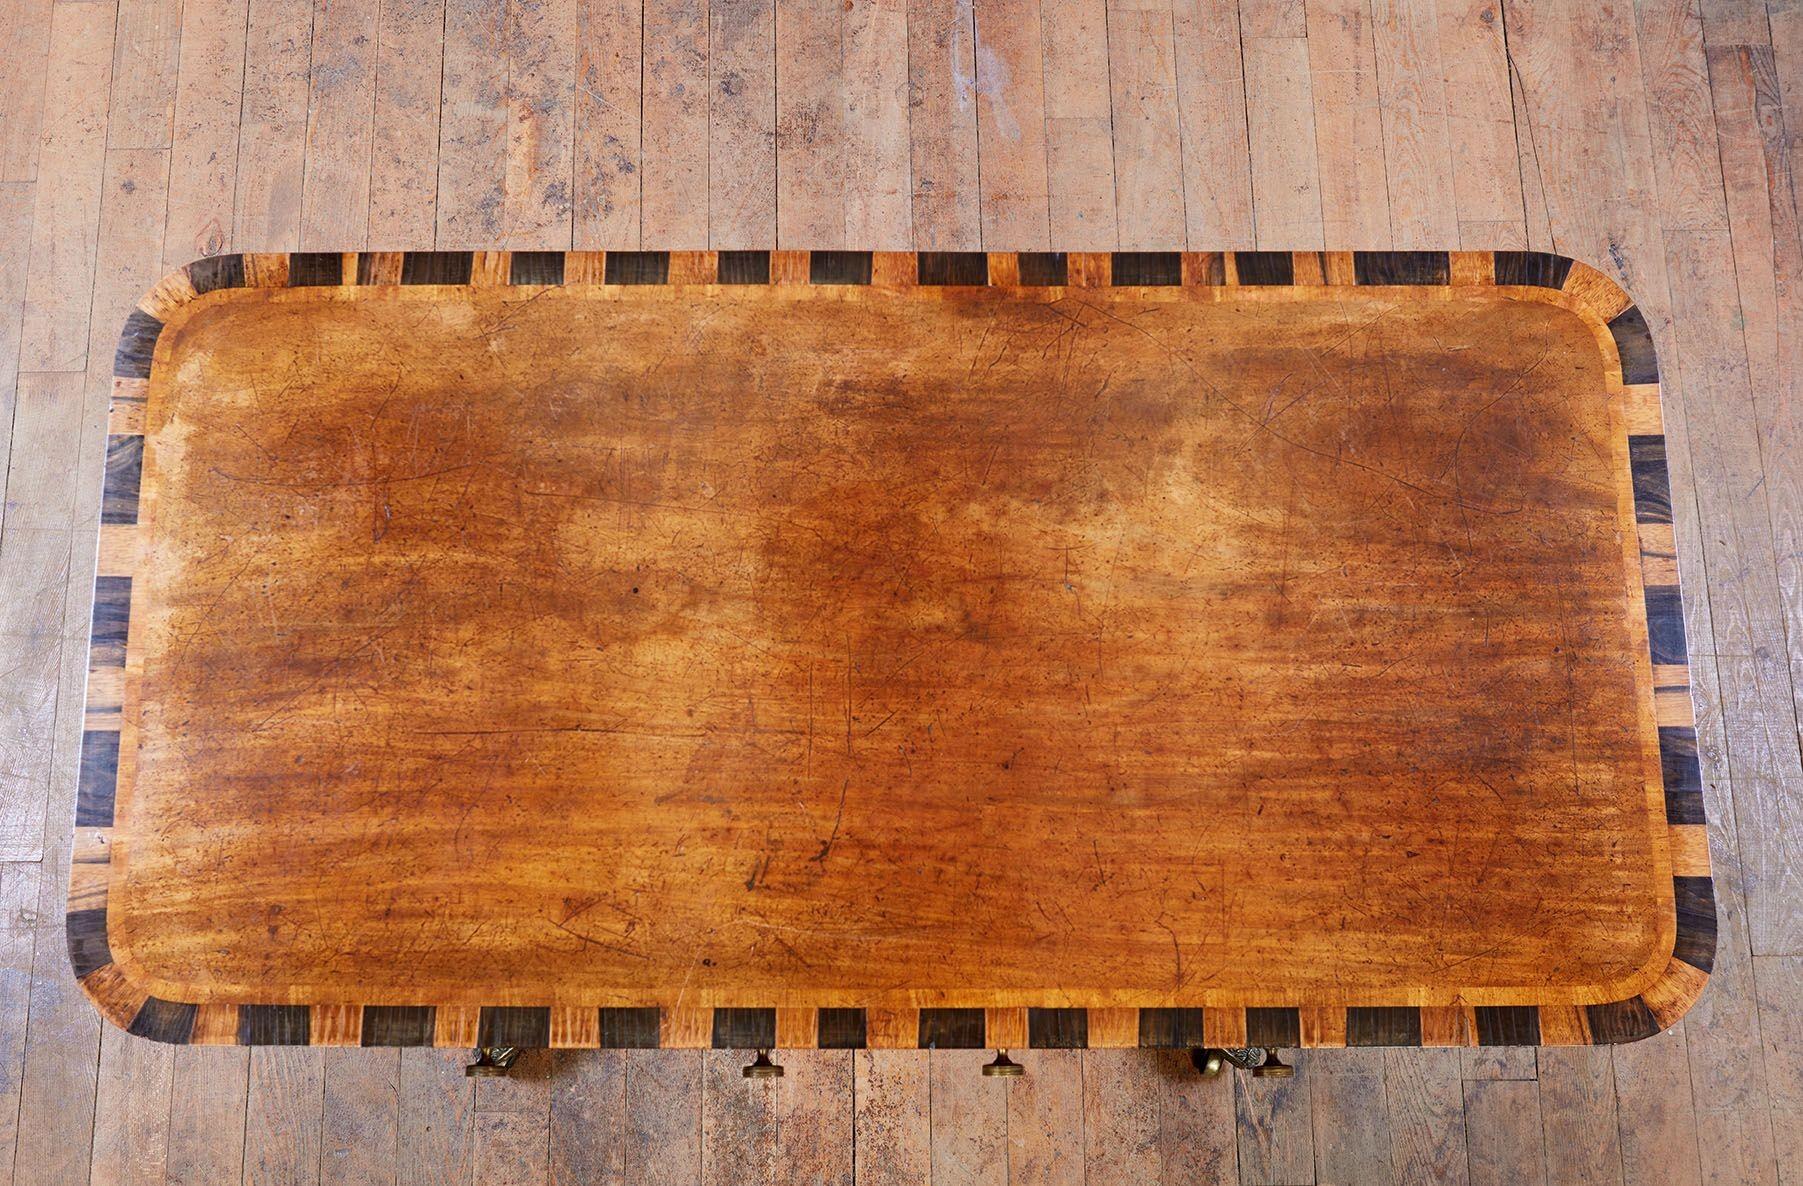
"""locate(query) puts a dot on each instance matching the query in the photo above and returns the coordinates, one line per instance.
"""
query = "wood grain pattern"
(592, 974)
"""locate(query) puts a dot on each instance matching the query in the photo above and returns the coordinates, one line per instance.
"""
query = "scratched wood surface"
(1657, 139)
(837, 673)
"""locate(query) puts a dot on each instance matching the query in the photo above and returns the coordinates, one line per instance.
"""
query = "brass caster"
(1263, 1063)
(1003, 1067)
(492, 1061)
(1246, 1058)
(762, 1068)
(1273, 1067)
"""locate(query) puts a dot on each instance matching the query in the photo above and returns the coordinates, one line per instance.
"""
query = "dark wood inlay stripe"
(951, 1029)
(1622, 1021)
(1043, 269)
(437, 267)
(843, 1029)
(1387, 1025)
(315, 269)
(1058, 1029)
(744, 267)
(1150, 268)
(1539, 268)
(1695, 899)
(163, 1021)
(1652, 479)
(1682, 774)
(99, 779)
(399, 1025)
(1634, 342)
(124, 476)
(1264, 267)
(839, 267)
(514, 1025)
(1508, 1025)
(1665, 625)
(88, 950)
(112, 614)
(744, 1029)
(274, 1025)
(1167, 1029)
(630, 1029)
(1273, 1027)
(137, 344)
(636, 267)
(535, 267)
(952, 267)
(215, 272)
(1401, 267)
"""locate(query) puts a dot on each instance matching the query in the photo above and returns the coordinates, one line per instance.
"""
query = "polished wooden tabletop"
(841, 649)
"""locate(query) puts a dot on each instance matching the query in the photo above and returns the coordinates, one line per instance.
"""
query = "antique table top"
(760, 649)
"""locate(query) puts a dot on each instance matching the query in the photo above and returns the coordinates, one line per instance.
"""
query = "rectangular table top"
(739, 648)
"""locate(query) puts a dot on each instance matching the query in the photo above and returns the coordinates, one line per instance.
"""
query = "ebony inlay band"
(744, 267)
(839, 267)
(1043, 269)
(1508, 1025)
(398, 1025)
(1634, 342)
(951, 1029)
(216, 272)
(437, 267)
(630, 1029)
(315, 269)
(163, 1021)
(99, 779)
(1151, 268)
(744, 1029)
(1621, 1021)
(514, 1026)
(1532, 268)
(952, 267)
(1264, 267)
(1401, 267)
(137, 343)
(1274, 1027)
(637, 267)
(274, 1025)
(842, 1029)
(1170, 1028)
(1058, 1029)
(1383, 1026)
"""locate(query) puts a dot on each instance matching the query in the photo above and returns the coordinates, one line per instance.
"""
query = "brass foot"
(492, 1061)
(762, 1068)
(1263, 1062)
(1273, 1067)
(1003, 1066)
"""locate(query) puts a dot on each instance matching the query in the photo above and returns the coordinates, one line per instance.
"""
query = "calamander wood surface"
(572, 630)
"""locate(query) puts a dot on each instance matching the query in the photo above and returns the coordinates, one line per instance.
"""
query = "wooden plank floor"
(1661, 140)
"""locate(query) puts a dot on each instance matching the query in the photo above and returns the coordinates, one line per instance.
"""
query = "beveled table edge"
(1631, 371)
